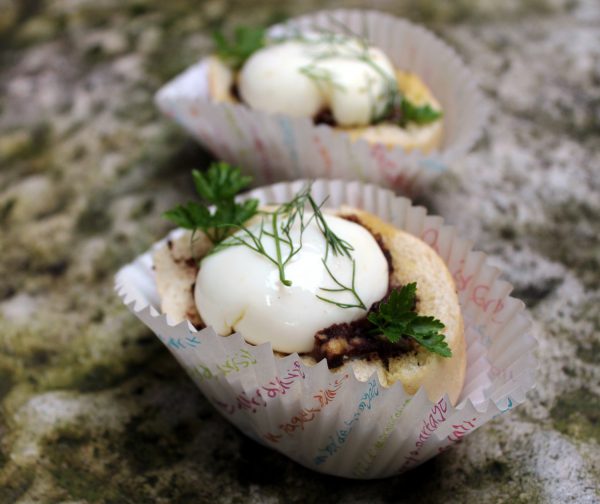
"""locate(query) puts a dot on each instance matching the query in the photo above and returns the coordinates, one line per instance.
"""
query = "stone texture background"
(94, 409)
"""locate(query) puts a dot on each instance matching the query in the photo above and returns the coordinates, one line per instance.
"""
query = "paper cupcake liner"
(274, 147)
(327, 420)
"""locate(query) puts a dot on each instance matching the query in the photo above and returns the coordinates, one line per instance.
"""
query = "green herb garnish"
(320, 75)
(419, 115)
(396, 108)
(277, 225)
(343, 288)
(246, 41)
(294, 209)
(285, 248)
(396, 319)
(217, 187)
(333, 241)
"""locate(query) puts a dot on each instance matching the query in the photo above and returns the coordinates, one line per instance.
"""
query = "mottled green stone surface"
(94, 409)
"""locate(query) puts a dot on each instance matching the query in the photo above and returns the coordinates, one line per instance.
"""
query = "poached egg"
(302, 77)
(240, 290)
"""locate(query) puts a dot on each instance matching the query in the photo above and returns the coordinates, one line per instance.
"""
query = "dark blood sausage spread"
(339, 342)
(235, 92)
(325, 116)
(384, 249)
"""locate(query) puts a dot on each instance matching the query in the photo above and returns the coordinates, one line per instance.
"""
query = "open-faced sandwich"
(335, 78)
(327, 283)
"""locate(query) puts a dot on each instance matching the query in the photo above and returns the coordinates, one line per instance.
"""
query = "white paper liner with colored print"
(329, 421)
(276, 147)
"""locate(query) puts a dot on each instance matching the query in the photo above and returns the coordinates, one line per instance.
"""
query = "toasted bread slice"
(415, 261)
(412, 137)
(412, 261)
(175, 268)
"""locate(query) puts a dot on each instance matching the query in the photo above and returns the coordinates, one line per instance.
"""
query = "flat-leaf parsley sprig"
(395, 318)
(419, 114)
(237, 49)
(217, 187)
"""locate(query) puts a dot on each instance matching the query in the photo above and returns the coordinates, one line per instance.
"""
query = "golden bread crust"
(175, 274)
(412, 260)
(425, 138)
(415, 261)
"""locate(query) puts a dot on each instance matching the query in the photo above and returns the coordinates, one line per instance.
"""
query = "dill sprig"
(295, 209)
(337, 245)
(320, 76)
(278, 226)
(333, 40)
(254, 241)
(343, 288)
(396, 107)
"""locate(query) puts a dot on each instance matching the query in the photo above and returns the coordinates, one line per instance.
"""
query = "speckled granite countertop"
(94, 409)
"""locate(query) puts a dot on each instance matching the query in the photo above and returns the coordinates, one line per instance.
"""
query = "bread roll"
(412, 260)
(415, 261)
(425, 138)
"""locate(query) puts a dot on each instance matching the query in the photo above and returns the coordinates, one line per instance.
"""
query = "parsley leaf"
(424, 114)
(396, 319)
(190, 216)
(217, 187)
(246, 40)
(220, 182)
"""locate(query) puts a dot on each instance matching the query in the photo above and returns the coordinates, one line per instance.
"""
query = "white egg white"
(240, 290)
(302, 77)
